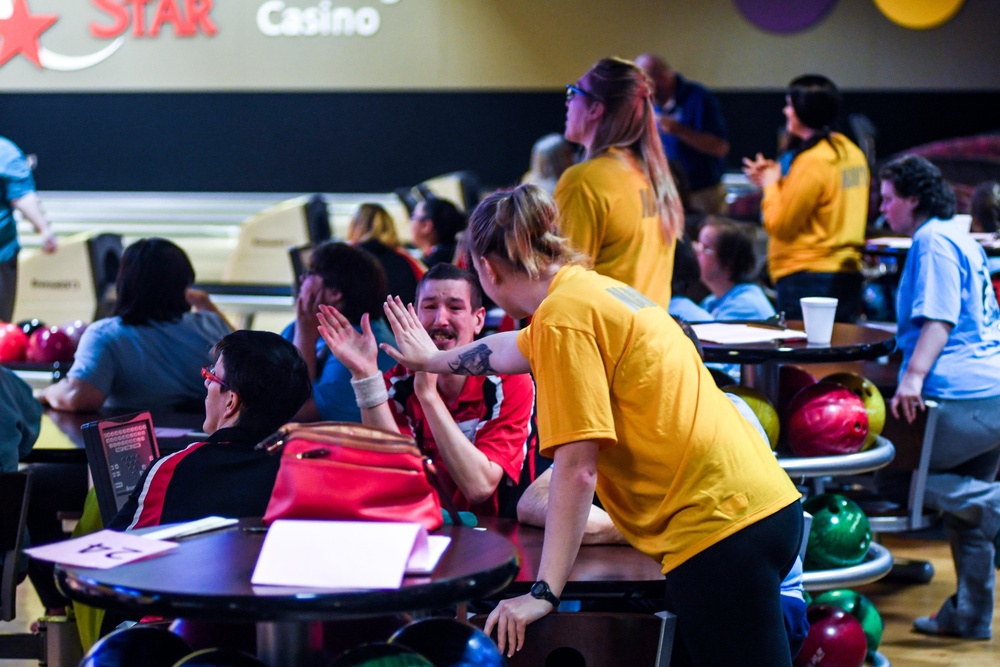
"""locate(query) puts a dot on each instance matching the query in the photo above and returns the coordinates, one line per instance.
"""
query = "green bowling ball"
(840, 534)
(859, 607)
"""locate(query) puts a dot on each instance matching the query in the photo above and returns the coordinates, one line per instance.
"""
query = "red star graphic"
(21, 31)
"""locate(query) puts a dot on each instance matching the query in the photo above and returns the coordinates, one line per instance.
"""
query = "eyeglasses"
(572, 91)
(208, 372)
(698, 246)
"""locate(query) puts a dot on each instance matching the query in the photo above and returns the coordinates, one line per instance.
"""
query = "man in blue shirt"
(693, 131)
(18, 193)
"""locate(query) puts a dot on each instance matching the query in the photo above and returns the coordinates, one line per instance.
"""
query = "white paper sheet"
(189, 528)
(101, 550)
(343, 554)
(736, 334)
(424, 560)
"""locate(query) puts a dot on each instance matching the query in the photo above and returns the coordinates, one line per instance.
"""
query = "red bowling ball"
(49, 345)
(13, 343)
(826, 419)
(836, 639)
(791, 380)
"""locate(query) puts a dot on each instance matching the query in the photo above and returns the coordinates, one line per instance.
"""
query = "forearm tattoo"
(473, 362)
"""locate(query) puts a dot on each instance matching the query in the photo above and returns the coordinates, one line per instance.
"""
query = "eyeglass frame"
(208, 372)
(572, 90)
(701, 248)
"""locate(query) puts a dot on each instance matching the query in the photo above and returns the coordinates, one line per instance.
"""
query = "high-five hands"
(414, 347)
(357, 351)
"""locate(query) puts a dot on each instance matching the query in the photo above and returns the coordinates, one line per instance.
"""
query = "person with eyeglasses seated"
(255, 385)
(353, 281)
(620, 206)
(436, 224)
(726, 259)
(478, 430)
(686, 279)
(148, 354)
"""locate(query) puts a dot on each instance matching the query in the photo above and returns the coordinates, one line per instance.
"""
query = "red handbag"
(335, 470)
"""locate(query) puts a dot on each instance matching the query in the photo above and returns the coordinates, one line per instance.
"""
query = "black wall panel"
(374, 142)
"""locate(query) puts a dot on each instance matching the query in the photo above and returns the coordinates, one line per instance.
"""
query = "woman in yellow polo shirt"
(816, 213)
(620, 207)
(624, 405)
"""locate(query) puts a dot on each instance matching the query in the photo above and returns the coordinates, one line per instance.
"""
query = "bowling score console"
(118, 451)
(75, 283)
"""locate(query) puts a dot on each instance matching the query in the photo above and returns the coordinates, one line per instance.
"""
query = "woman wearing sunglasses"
(620, 206)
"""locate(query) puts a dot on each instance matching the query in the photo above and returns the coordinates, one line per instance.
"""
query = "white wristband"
(370, 392)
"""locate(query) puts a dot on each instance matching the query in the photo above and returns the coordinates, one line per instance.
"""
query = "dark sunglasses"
(572, 91)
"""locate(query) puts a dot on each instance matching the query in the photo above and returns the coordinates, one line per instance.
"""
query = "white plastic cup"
(818, 314)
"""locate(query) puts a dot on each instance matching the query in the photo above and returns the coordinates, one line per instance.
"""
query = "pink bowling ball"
(74, 330)
(49, 345)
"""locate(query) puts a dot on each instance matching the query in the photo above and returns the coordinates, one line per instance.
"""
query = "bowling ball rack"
(39, 375)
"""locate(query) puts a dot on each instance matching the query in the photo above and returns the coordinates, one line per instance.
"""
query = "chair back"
(14, 489)
(118, 451)
(914, 444)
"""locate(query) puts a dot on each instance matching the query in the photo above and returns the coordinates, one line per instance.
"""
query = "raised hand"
(357, 351)
(414, 347)
(761, 171)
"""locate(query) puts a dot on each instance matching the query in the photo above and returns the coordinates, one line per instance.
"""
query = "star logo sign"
(21, 31)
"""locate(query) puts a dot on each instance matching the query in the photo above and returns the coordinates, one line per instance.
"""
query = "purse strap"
(447, 504)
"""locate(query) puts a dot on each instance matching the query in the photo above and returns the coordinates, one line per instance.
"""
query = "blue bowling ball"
(139, 645)
(449, 643)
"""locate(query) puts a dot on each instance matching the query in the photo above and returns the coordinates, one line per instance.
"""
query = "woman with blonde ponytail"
(620, 207)
(626, 408)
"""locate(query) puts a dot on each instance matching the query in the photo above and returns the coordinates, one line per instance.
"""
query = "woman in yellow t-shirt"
(626, 407)
(620, 207)
(816, 213)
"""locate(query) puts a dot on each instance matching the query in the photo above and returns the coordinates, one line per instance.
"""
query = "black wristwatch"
(541, 591)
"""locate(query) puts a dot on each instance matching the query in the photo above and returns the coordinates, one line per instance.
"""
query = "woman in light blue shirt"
(949, 333)
(726, 258)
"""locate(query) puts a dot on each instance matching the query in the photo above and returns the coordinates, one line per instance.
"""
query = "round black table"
(208, 577)
(760, 361)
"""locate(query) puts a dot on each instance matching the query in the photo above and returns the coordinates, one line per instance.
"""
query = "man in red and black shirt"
(479, 431)
(259, 380)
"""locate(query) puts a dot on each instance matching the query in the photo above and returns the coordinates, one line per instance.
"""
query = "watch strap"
(540, 591)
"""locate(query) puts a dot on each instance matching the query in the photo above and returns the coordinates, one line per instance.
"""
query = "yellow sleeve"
(788, 205)
(583, 215)
(574, 396)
